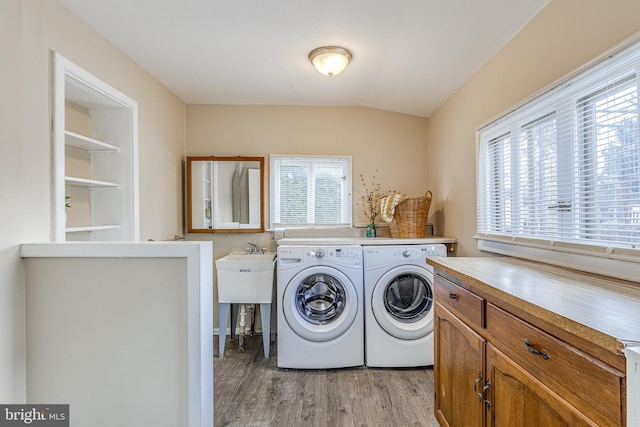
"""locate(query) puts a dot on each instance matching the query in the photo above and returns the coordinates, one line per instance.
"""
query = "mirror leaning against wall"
(225, 194)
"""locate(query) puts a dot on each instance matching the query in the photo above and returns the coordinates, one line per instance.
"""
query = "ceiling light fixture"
(330, 60)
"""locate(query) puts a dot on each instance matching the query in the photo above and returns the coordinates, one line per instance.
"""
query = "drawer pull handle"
(454, 296)
(532, 350)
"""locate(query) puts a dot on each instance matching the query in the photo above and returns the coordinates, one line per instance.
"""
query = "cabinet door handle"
(532, 350)
(475, 385)
(486, 387)
(454, 296)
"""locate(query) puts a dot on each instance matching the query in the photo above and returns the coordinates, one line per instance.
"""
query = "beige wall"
(29, 29)
(562, 37)
(393, 143)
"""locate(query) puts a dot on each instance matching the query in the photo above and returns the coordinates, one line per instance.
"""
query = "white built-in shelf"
(95, 149)
(89, 144)
(91, 228)
(89, 183)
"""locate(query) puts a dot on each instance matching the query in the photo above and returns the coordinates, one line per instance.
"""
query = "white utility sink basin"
(252, 257)
(246, 278)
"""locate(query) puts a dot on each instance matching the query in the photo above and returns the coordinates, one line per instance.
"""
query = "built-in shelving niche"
(95, 153)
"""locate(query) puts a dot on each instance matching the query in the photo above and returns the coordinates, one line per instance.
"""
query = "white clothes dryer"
(399, 305)
(320, 308)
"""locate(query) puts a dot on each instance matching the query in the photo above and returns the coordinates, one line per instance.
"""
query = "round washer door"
(402, 302)
(320, 303)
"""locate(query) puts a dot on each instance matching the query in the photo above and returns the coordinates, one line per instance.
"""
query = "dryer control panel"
(382, 255)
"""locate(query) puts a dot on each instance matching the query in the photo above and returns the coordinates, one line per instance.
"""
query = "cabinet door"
(517, 399)
(458, 372)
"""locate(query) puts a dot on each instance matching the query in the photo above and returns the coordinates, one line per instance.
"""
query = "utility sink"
(246, 278)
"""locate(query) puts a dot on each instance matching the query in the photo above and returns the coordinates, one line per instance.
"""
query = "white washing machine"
(399, 305)
(320, 307)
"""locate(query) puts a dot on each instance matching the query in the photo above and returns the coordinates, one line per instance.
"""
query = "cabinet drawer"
(460, 301)
(590, 385)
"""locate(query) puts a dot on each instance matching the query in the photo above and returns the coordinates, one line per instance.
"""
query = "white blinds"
(310, 191)
(564, 168)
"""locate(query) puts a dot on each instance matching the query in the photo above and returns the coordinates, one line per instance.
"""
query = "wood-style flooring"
(252, 391)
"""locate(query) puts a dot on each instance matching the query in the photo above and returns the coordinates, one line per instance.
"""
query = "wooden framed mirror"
(225, 194)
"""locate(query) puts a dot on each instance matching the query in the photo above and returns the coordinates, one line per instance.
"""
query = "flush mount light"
(330, 60)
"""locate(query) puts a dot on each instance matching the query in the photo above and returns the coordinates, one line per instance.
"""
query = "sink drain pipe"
(242, 325)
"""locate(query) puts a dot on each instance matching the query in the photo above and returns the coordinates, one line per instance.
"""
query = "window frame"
(311, 161)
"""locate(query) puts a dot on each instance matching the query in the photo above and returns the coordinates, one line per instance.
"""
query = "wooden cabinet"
(459, 358)
(95, 158)
(493, 368)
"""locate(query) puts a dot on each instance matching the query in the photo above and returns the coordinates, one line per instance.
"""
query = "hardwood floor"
(252, 391)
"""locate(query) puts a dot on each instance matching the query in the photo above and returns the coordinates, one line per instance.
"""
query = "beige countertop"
(601, 310)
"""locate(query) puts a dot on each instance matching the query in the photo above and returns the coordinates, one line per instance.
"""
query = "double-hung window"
(310, 191)
(562, 171)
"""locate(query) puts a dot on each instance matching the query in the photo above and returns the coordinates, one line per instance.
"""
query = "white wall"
(29, 29)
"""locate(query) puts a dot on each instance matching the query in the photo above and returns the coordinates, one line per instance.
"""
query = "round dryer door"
(320, 303)
(402, 302)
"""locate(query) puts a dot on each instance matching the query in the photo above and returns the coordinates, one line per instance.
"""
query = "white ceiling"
(409, 56)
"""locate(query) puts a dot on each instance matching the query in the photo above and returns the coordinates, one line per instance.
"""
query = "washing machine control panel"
(344, 255)
(348, 253)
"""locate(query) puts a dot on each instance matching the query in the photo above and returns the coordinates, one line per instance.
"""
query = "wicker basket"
(410, 217)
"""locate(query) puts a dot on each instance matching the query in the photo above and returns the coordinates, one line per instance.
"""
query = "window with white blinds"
(563, 169)
(310, 191)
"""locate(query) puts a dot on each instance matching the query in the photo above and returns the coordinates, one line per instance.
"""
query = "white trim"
(633, 386)
(200, 335)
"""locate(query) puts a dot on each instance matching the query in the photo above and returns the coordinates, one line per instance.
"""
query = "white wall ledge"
(166, 249)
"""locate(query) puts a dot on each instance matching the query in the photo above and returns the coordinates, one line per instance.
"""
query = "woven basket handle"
(428, 194)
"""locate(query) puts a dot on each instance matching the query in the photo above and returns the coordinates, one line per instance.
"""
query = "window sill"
(606, 264)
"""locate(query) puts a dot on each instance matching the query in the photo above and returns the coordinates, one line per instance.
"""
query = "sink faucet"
(252, 248)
